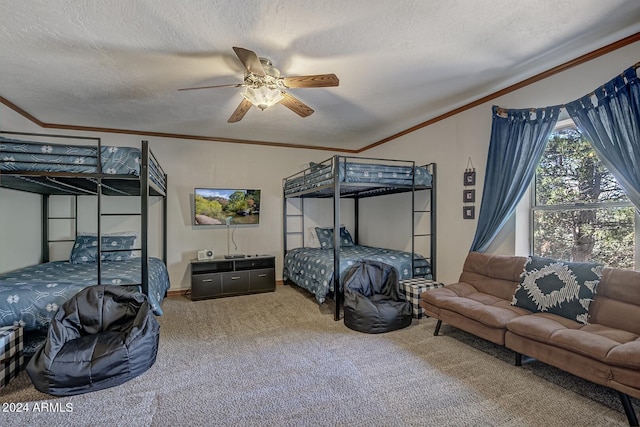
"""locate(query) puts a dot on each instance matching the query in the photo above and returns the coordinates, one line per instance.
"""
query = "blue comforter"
(30, 296)
(312, 268)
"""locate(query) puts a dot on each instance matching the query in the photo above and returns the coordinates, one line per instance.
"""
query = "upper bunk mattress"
(361, 173)
(31, 156)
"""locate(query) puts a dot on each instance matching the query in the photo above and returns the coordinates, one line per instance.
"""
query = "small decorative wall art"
(468, 196)
(470, 177)
(469, 174)
(468, 212)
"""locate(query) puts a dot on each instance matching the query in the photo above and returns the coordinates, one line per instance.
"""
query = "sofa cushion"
(496, 275)
(617, 303)
(559, 287)
(465, 300)
(608, 345)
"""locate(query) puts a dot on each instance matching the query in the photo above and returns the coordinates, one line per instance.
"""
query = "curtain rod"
(502, 112)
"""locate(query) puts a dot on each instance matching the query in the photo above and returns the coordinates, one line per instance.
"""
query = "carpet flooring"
(279, 359)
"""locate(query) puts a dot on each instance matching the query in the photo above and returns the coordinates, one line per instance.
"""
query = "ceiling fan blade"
(319, 80)
(295, 105)
(240, 111)
(211, 87)
(250, 61)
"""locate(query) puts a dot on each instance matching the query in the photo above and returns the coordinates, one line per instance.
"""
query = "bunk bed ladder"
(432, 220)
(99, 211)
(431, 234)
(46, 241)
(286, 217)
(144, 219)
(337, 293)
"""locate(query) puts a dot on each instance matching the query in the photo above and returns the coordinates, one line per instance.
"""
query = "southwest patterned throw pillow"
(558, 287)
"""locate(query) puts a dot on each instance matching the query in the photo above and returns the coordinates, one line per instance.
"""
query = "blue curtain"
(612, 127)
(518, 139)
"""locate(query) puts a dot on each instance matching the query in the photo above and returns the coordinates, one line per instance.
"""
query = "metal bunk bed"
(150, 181)
(330, 178)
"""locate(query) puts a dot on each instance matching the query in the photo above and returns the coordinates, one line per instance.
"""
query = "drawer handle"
(262, 275)
(235, 277)
(207, 280)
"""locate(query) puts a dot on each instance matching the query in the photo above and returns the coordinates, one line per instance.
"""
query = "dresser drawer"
(235, 282)
(206, 285)
(263, 280)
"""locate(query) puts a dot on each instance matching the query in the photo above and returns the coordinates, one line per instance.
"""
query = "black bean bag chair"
(372, 299)
(100, 338)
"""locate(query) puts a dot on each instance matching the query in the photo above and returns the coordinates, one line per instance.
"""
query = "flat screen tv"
(223, 206)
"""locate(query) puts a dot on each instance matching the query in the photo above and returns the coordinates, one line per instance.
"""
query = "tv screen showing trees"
(215, 206)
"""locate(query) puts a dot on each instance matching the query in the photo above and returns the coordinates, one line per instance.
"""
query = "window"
(579, 212)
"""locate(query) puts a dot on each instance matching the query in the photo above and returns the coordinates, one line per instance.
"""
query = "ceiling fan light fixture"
(263, 97)
(266, 87)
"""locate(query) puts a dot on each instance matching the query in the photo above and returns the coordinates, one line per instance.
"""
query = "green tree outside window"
(580, 213)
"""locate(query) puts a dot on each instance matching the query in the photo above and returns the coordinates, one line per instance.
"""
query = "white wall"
(20, 229)
(20, 224)
(191, 164)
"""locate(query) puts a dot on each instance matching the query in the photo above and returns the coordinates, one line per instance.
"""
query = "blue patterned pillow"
(85, 248)
(558, 287)
(325, 237)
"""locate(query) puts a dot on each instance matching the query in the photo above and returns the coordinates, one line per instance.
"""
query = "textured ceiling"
(117, 64)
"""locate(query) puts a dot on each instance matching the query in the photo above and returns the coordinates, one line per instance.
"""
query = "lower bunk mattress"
(312, 268)
(30, 296)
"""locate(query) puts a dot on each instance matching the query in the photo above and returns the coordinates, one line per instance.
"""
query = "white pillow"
(312, 238)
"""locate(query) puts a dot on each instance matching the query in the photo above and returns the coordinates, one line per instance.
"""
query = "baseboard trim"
(177, 293)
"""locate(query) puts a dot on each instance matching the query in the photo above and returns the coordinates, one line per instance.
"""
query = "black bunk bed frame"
(97, 184)
(359, 191)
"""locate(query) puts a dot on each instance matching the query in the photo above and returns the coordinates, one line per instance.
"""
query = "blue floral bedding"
(351, 172)
(30, 296)
(16, 155)
(312, 268)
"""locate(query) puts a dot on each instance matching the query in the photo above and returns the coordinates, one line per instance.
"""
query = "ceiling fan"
(265, 86)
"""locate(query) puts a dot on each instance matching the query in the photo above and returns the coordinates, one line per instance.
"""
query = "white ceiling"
(117, 64)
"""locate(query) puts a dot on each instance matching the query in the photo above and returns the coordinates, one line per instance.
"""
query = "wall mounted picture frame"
(468, 212)
(470, 178)
(468, 196)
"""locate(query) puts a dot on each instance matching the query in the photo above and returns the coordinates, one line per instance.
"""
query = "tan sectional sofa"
(605, 351)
